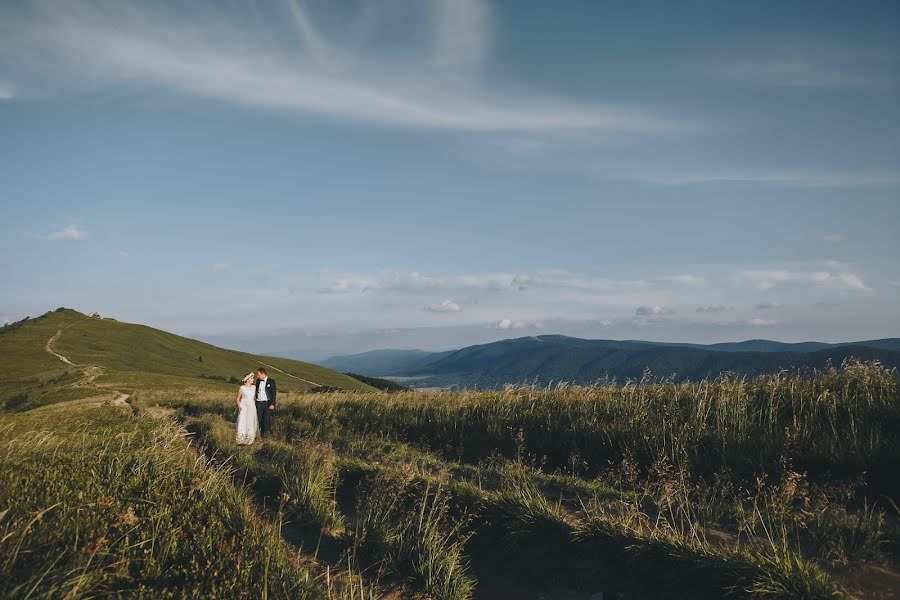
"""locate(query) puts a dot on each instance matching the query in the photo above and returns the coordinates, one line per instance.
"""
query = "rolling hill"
(58, 350)
(547, 358)
(383, 362)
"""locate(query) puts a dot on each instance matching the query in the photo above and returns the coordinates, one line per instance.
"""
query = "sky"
(311, 177)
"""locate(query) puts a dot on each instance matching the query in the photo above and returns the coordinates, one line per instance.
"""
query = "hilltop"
(58, 355)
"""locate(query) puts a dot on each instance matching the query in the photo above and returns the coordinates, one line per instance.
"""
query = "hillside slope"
(35, 352)
(400, 363)
(544, 359)
(376, 363)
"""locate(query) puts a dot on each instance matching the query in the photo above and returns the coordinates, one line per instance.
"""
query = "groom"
(265, 400)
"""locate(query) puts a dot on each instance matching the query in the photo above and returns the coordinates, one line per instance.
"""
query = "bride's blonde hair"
(248, 377)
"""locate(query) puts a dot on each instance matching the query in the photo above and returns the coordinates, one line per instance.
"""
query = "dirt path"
(91, 372)
(121, 400)
(48, 346)
(289, 375)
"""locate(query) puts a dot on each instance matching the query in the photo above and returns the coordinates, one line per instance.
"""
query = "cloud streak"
(71, 233)
(766, 279)
(712, 308)
(447, 306)
(792, 69)
(210, 56)
(653, 311)
(790, 178)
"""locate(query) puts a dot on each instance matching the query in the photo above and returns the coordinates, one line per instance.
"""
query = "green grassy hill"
(129, 357)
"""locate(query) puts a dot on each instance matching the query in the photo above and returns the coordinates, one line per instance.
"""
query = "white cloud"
(759, 322)
(6, 93)
(653, 311)
(339, 286)
(124, 253)
(768, 305)
(685, 279)
(766, 279)
(412, 281)
(713, 308)
(833, 238)
(215, 55)
(447, 306)
(511, 324)
(220, 267)
(495, 281)
(589, 283)
(68, 233)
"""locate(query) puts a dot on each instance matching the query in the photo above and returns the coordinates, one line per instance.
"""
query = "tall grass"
(739, 486)
(837, 423)
(414, 535)
(301, 478)
(94, 502)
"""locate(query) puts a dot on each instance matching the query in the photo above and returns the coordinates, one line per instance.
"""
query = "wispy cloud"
(685, 279)
(713, 308)
(765, 279)
(794, 68)
(768, 305)
(447, 306)
(559, 278)
(513, 324)
(462, 32)
(71, 233)
(339, 286)
(653, 311)
(760, 322)
(833, 238)
(217, 56)
(792, 178)
(497, 281)
(416, 282)
(408, 282)
(220, 267)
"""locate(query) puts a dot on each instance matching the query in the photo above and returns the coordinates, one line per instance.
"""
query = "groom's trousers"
(264, 415)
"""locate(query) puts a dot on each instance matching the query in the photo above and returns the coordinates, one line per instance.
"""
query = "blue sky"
(323, 177)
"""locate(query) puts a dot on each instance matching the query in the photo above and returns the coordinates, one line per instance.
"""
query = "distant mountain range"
(546, 358)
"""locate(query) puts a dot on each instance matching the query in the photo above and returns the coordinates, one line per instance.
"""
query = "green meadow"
(121, 478)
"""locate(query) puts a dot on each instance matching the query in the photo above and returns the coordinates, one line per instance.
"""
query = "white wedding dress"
(247, 423)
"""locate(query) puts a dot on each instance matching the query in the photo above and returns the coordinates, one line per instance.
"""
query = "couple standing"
(255, 402)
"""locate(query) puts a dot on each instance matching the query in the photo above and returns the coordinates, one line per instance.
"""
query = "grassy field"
(120, 477)
(778, 487)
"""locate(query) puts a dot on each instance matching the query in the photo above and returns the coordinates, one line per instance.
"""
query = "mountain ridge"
(556, 357)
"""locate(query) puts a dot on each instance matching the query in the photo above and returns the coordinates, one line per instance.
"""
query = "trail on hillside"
(91, 372)
(289, 375)
(48, 346)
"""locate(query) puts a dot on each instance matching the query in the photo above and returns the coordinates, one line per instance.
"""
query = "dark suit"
(262, 408)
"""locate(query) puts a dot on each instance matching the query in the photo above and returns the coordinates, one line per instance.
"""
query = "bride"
(247, 425)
